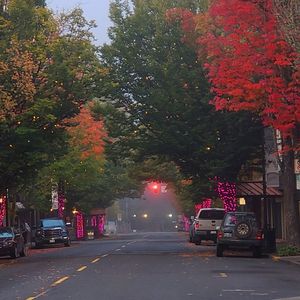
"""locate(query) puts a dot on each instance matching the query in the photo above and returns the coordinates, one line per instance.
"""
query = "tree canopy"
(161, 86)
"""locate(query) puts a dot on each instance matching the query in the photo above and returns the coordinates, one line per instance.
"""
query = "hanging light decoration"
(101, 220)
(227, 193)
(79, 225)
(206, 203)
(2, 210)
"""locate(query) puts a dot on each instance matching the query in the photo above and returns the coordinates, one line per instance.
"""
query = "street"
(145, 266)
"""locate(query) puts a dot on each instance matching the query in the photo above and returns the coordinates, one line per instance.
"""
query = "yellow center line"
(37, 296)
(95, 260)
(224, 275)
(59, 281)
(81, 268)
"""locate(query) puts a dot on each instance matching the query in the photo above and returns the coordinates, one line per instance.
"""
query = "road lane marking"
(223, 275)
(81, 268)
(118, 250)
(238, 290)
(95, 260)
(61, 280)
(131, 242)
(104, 255)
(123, 246)
(37, 296)
(293, 298)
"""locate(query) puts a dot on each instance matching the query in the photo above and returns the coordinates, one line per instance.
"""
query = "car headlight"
(7, 243)
(39, 232)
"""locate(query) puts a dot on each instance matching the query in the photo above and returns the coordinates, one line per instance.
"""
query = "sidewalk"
(287, 259)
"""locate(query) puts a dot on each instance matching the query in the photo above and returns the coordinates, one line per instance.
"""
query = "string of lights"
(2, 210)
(227, 193)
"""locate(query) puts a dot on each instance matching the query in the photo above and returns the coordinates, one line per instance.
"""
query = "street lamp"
(145, 216)
(170, 215)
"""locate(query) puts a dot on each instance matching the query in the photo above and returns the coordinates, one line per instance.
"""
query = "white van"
(205, 224)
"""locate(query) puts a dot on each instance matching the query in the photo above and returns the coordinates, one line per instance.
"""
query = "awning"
(255, 189)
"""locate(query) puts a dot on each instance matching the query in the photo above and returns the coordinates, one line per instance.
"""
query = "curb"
(294, 260)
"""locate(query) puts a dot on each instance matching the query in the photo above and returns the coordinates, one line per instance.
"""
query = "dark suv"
(52, 231)
(239, 230)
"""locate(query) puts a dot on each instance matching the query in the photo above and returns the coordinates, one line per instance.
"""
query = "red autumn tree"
(252, 67)
(88, 134)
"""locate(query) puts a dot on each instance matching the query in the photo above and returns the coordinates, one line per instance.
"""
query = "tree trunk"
(291, 206)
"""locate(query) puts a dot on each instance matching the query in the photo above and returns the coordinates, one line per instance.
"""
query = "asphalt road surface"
(145, 266)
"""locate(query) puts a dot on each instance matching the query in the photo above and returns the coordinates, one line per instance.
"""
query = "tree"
(164, 95)
(288, 16)
(85, 177)
(46, 75)
(253, 68)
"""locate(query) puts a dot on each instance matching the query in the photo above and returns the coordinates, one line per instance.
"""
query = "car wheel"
(197, 242)
(38, 245)
(257, 252)
(24, 251)
(243, 230)
(14, 253)
(68, 243)
(220, 250)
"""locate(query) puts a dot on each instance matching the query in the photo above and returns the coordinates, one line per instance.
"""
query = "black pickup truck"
(52, 231)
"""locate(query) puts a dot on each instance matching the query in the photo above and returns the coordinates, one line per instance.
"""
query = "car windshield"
(233, 219)
(211, 214)
(6, 233)
(52, 223)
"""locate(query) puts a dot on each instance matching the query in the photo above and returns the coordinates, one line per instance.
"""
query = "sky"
(97, 10)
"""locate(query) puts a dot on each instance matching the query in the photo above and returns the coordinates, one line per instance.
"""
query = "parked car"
(205, 224)
(52, 231)
(11, 243)
(239, 230)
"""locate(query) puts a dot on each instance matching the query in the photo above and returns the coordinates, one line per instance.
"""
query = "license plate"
(213, 231)
(52, 241)
(226, 234)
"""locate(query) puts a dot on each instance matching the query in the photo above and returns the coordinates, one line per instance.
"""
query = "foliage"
(88, 134)
(160, 98)
(287, 250)
(269, 82)
(46, 74)
(246, 34)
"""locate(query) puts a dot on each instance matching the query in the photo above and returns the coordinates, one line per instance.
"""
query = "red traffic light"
(155, 188)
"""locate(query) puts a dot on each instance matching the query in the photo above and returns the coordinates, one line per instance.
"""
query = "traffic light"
(155, 188)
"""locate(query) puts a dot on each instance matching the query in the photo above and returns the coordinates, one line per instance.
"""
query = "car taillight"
(220, 234)
(197, 225)
(259, 235)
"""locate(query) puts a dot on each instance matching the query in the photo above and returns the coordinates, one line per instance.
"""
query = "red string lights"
(206, 203)
(227, 193)
(79, 225)
(2, 210)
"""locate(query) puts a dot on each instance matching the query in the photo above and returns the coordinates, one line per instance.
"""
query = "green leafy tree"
(49, 68)
(162, 90)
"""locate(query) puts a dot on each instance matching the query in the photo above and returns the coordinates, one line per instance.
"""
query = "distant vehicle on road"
(205, 223)
(239, 230)
(52, 231)
(11, 243)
